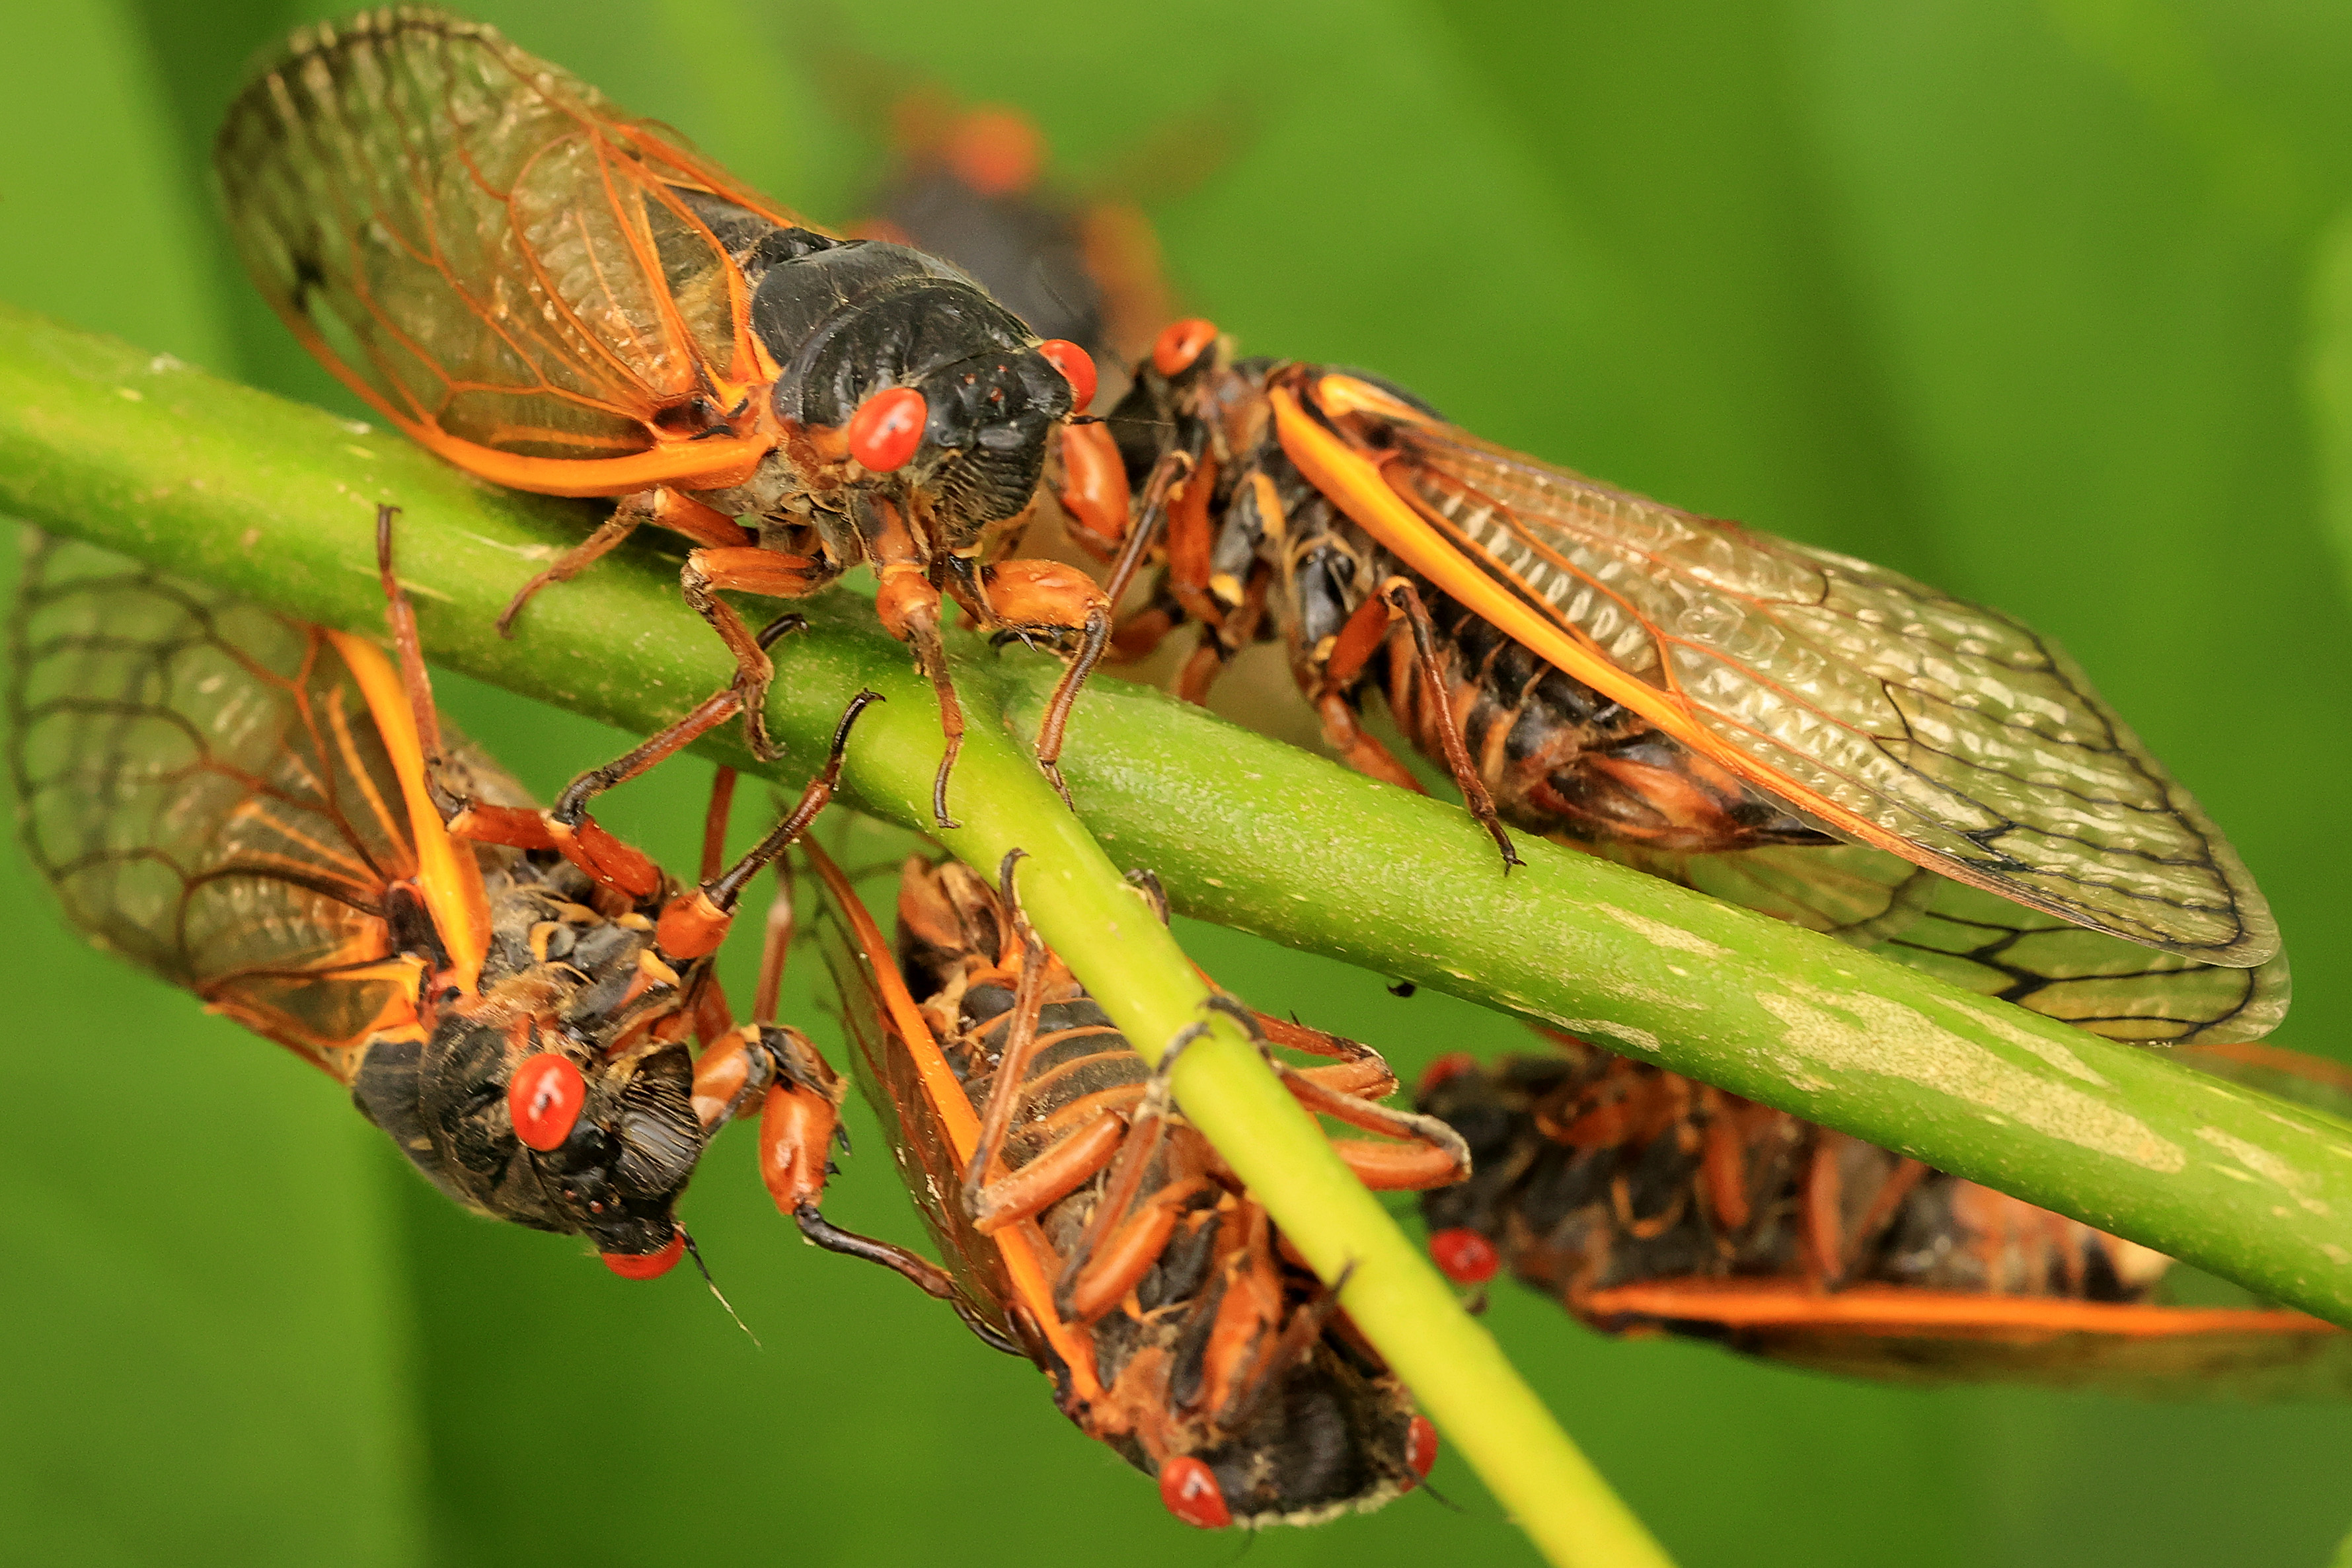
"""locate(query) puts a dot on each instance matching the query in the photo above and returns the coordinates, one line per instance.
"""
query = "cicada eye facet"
(1190, 1489)
(544, 1097)
(886, 428)
(1078, 368)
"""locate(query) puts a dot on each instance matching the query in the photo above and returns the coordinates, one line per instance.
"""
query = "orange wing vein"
(525, 279)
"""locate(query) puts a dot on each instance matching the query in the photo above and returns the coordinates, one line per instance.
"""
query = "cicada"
(969, 183)
(561, 298)
(1799, 731)
(1089, 1226)
(244, 805)
(1644, 1202)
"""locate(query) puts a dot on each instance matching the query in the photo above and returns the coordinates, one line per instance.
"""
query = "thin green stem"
(226, 485)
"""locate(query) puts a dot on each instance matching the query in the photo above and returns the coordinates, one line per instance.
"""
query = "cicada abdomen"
(1644, 1202)
(238, 802)
(1098, 1232)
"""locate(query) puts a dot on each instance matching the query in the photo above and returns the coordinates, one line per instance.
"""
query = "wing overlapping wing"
(482, 245)
(202, 783)
(1974, 745)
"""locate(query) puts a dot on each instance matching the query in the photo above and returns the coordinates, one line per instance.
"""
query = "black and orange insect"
(1089, 1226)
(1644, 1202)
(246, 806)
(558, 297)
(1697, 699)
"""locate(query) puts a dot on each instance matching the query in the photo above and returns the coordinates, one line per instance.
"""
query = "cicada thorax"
(1214, 1363)
(1644, 1202)
(841, 321)
(210, 789)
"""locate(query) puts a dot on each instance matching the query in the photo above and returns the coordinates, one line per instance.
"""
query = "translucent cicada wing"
(1986, 944)
(204, 785)
(930, 1122)
(1890, 712)
(482, 247)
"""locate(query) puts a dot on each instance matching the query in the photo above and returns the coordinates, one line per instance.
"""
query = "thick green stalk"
(242, 489)
(229, 485)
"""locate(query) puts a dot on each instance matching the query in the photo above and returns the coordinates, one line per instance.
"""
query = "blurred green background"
(2048, 303)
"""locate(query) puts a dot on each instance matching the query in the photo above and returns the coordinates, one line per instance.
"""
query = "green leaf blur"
(2047, 303)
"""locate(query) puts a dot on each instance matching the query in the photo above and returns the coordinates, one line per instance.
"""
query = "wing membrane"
(1986, 944)
(201, 783)
(1966, 737)
(888, 1032)
(480, 244)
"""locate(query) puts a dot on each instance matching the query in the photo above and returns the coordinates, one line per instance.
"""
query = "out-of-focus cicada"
(558, 297)
(1089, 1226)
(1645, 1202)
(245, 806)
(1697, 699)
(969, 184)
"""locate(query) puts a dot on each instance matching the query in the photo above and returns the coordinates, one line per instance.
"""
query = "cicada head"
(932, 390)
(1324, 1439)
(552, 1098)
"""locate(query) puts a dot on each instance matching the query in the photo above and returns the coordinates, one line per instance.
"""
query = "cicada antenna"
(704, 1270)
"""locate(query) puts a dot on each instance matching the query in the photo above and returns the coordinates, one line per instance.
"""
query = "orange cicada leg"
(610, 862)
(1031, 598)
(696, 923)
(907, 603)
(1093, 490)
(1404, 603)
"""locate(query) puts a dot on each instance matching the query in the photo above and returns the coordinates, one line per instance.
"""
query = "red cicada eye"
(1463, 1256)
(651, 1265)
(1444, 1069)
(1421, 1446)
(1182, 342)
(887, 428)
(543, 1097)
(1193, 1495)
(1078, 368)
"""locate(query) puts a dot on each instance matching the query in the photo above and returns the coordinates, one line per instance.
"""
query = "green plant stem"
(234, 487)
(229, 485)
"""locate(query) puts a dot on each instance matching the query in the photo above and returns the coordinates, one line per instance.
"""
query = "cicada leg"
(1832, 1245)
(1128, 1230)
(798, 1096)
(1043, 598)
(907, 603)
(695, 923)
(1251, 1344)
(661, 506)
(993, 1202)
(610, 862)
(1402, 601)
(746, 569)
(1092, 488)
(1428, 1153)
(727, 559)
